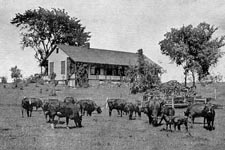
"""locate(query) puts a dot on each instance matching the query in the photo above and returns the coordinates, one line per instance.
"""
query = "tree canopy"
(15, 73)
(194, 48)
(144, 76)
(41, 29)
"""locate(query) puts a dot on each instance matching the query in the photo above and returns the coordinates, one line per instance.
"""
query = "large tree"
(42, 29)
(194, 48)
(144, 75)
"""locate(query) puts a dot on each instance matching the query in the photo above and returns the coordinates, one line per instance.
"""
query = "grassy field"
(101, 132)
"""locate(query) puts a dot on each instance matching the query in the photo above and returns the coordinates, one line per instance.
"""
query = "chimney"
(140, 51)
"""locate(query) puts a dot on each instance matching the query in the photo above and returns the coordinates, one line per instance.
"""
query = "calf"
(89, 106)
(177, 121)
(116, 103)
(166, 111)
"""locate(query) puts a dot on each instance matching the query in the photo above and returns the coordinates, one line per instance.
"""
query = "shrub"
(4, 80)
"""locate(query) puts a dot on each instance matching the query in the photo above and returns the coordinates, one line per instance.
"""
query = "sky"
(124, 25)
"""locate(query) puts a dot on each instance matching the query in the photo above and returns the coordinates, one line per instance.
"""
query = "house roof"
(100, 56)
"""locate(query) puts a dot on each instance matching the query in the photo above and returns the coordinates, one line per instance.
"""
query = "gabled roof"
(100, 56)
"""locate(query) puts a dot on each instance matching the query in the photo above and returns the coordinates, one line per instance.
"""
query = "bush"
(4, 80)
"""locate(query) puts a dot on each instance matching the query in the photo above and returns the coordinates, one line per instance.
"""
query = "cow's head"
(156, 108)
(98, 109)
(209, 110)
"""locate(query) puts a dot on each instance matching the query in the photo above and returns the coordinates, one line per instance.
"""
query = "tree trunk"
(185, 78)
(193, 77)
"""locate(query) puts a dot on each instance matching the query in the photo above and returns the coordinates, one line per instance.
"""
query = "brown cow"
(36, 102)
(200, 110)
(116, 103)
(89, 106)
(45, 106)
(68, 110)
(153, 109)
(129, 108)
(70, 100)
(138, 106)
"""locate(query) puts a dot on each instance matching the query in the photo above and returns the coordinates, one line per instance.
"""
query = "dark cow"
(209, 116)
(153, 109)
(70, 100)
(45, 106)
(89, 106)
(27, 105)
(68, 110)
(166, 112)
(138, 106)
(130, 109)
(200, 110)
(37, 103)
(116, 103)
(177, 121)
(168, 120)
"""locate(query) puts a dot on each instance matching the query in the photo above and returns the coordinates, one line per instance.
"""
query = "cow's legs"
(76, 123)
(67, 122)
(178, 127)
(174, 126)
(121, 111)
(204, 121)
(130, 115)
(139, 114)
(149, 119)
(118, 112)
(162, 118)
(51, 118)
(22, 112)
(89, 113)
(110, 112)
(28, 113)
(186, 125)
(192, 121)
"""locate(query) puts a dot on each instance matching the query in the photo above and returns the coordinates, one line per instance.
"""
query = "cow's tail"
(106, 101)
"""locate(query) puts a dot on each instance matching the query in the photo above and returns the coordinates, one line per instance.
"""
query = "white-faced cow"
(28, 103)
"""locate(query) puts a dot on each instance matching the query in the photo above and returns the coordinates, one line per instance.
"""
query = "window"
(57, 50)
(109, 70)
(62, 67)
(92, 70)
(51, 67)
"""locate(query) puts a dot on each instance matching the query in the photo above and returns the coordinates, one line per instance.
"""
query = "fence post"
(172, 100)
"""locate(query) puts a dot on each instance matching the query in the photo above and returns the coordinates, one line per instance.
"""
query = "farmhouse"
(101, 65)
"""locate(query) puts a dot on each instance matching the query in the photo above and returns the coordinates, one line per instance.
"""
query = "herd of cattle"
(73, 109)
